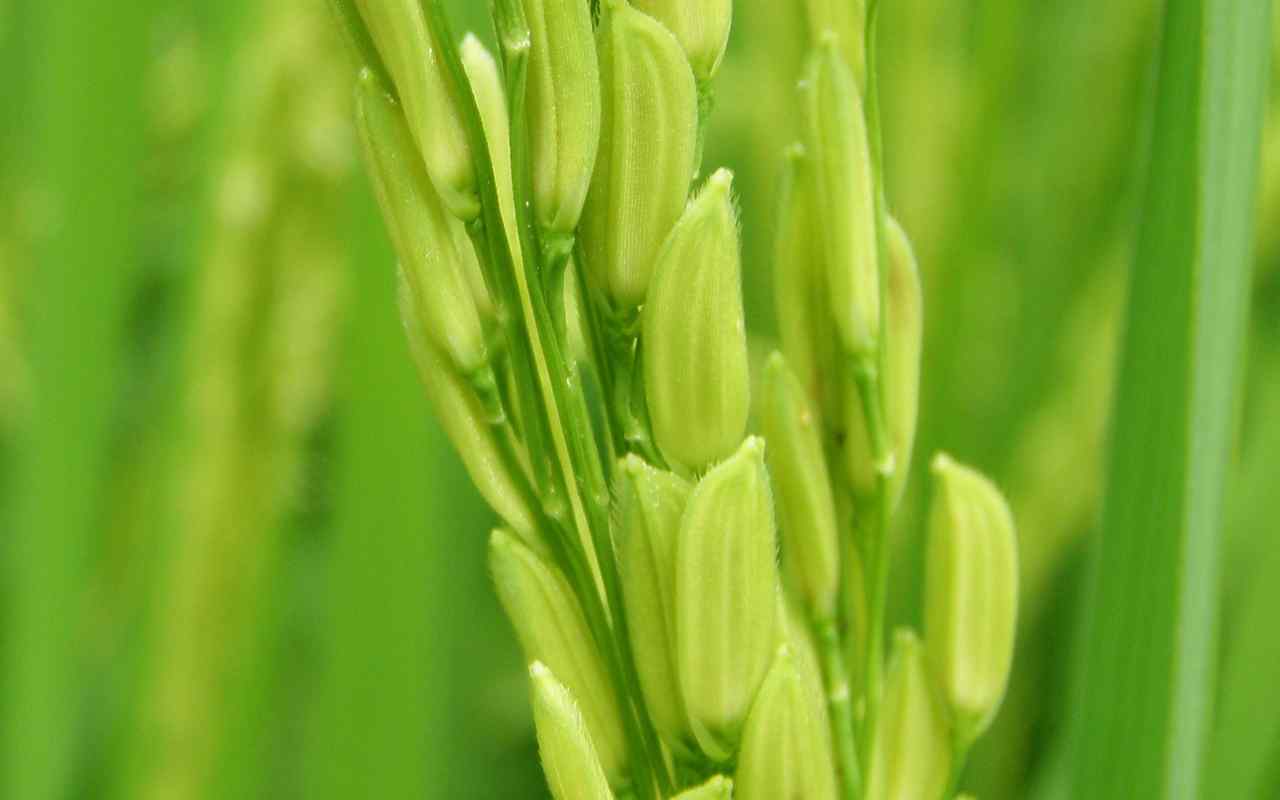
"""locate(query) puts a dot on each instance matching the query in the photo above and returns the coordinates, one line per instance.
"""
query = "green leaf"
(1246, 738)
(1145, 694)
(379, 692)
(83, 132)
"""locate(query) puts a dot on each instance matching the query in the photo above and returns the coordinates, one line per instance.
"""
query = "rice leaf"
(1144, 708)
(1246, 738)
(382, 672)
(82, 142)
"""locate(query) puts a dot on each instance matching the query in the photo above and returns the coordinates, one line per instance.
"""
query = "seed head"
(463, 418)
(491, 99)
(552, 629)
(407, 45)
(726, 595)
(694, 335)
(426, 237)
(474, 275)
(846, 21)
(647, 151)
(701, 26)
(718, 788)
(912, 755)
(651, 503)
(971, 593)
(797, 635)
(803, 308)
(786, 753)
(837, 141)
(905, 322)
(568, 757)
(564, 109)
(810, 542)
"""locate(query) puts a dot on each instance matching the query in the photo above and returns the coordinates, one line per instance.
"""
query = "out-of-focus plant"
(1143, 694)
(12, 368)
(264, 316)
(1015, 160)
(1269, 202)
(1066, 435)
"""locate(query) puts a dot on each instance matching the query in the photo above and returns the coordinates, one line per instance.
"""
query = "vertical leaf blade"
(376, 700)
(91, 58)
(1145, 693)
(1246, 735)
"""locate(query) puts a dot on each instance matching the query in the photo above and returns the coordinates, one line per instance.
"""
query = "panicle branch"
(573, 294)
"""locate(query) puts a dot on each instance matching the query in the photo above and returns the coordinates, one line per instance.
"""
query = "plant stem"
(534, 352)
(706, 104)
(840, 703)
(551, 492)
(866, 376)
(362, 46)
(556, 250)
(567, 401)
(622, 343)
(959, 755)
(566, 405)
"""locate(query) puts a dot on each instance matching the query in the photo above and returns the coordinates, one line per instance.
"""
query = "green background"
(347, 642)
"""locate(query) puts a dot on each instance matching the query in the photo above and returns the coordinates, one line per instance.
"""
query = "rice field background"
(238, 558)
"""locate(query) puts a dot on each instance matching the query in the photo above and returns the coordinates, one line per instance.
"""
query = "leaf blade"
(86, 65)
(1145, 694)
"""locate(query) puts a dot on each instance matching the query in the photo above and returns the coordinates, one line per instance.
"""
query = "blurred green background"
(237, 558)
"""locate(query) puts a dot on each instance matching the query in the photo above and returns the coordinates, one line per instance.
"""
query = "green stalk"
(840, 701)
(868, 375)
(867, 379)
(527, 394)
(706, 105)
(563, 400)
(875, 135)
(959, 755)
(622, 342)
(556, 251)
(525, 265)
(611, 369)
(362, 47)
(568, 401)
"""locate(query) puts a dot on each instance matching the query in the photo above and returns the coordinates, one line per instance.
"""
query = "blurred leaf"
(87, 174)
(1145, 693)
(1246, 740)
(377, 720)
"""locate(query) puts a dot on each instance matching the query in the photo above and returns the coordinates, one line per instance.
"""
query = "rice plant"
(743, 318)
(266, 307)
(570, 283)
